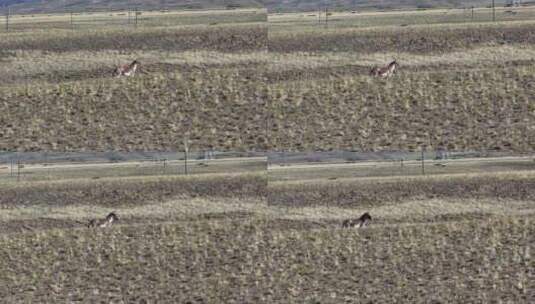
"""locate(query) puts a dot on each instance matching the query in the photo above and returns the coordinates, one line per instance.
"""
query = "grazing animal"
(363, 221)
(385, 71)
(108, 221)
(126, 69)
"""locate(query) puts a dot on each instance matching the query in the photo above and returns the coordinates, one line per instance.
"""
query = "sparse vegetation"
(224, 38)
(55, 219)
(461, 85)
(415, 40)
(193, 84)
(244, 246)
(463, 231)
(210, 109)
(461, 110)
(128, 192)
(247, 261)
(427, 233)
(368, 193)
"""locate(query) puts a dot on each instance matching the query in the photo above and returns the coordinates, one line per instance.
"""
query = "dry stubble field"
(248, 238)
(447, 237)
(57, 93)
(461, 84)
(271, 237)
(179, 238)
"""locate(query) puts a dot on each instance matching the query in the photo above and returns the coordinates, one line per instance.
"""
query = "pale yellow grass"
(183, 13)
(172, 209)
(26, 63)
(481, 55)
(293, 29)
(439, 177)
(58, 180)
(345, 21)
(401, 13)
(409, 211)
(181, 208)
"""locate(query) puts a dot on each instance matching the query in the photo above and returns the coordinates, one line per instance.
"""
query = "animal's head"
(135, 62)
(112, 217)
(366, 217)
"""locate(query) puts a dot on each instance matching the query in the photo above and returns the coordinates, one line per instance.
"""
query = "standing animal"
(363, 221)
(385, 71)
(126, 69)
(103, 223)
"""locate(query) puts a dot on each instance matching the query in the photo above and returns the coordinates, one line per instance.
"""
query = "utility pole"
(423, 160)
(493, 10)
(326, 17)
(8, 12)
(135, 17)
(186, 156)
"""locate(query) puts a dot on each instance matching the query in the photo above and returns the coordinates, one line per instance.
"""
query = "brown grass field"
(164, 224)
(57, 92)
(243, 234)
(440, 237)
(250, 230)
(461, 84)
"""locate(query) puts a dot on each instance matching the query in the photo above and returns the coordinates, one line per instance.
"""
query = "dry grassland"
(460, 85)
(57, 92)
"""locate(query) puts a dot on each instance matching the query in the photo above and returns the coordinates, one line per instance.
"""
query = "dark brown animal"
(385, 71)
(126, 69)
(103, 223)
(363, 221)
